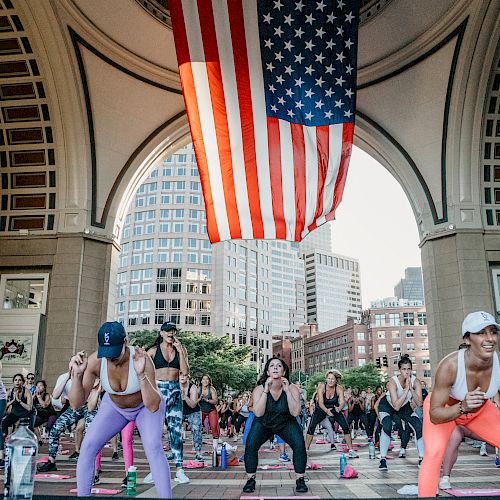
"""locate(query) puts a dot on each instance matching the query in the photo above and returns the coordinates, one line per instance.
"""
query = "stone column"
(456, 282)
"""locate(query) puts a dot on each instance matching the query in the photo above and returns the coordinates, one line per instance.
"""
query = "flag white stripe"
(287, 178)
(259, 116)
(335, 153)
(311, 187)
(200, 77)
(223, 34)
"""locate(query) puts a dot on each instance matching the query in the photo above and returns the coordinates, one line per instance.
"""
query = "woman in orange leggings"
(464, 383)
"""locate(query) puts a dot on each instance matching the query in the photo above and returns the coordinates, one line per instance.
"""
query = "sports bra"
(399, 390)
(160, 361)
(133, 384)
(459, 388)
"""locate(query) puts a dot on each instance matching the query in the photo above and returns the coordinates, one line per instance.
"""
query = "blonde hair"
(335, 373)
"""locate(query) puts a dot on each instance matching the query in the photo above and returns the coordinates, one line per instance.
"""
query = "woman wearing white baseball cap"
(464, 384)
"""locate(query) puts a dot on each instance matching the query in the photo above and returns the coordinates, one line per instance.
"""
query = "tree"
(362, 377)
(313, 382)
(298, 376)
(227, 364)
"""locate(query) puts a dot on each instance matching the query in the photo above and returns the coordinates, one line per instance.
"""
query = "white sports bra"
(399, 390)
(133, 384)
(459, 388)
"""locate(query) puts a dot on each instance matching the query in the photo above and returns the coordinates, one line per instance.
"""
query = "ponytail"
(156, 343)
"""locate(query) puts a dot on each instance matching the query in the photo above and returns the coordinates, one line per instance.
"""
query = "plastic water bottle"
(223, 457)
(343, 463)
(20, 463)
(371, 450)
(131, 480)
(214, 457)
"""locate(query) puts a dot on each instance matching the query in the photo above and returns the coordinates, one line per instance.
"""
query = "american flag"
(269, 88)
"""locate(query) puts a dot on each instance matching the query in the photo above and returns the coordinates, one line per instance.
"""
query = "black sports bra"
(160, 362)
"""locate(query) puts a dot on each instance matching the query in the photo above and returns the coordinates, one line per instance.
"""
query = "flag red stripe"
(189, 93)
(237, 25)
(347, 137)
(209, 38)
(274, 145)
(299, 169)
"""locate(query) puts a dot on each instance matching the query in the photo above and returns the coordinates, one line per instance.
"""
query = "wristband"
(461, 408)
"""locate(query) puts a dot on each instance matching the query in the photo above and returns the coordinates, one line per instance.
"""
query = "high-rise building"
(319, 239)
(333, 289)
(411, 287)
(169, 271)
(288, 289)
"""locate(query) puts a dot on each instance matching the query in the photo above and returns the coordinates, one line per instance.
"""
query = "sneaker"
(333, 447)
(124, 482)
(483, 451)
(235, 439)
(420, 461)
(199, 457)
(444, 483)
(115, 456)
(241, 460)
(74, 456)
(2, 463)
(402, 453)
(383, 464)
(497, 461)
(96, 479)
(476, 444)
(284, 457)
(301, 486)
(353, 454)
(249, 486)
(180, 476)
(47, 467)
(147, 480)
(170, 456)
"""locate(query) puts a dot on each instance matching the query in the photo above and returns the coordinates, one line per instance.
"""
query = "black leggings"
(405, 413)
(353, 417)
(238, 422)
(10, 419)
(290, 433)
(319, 415)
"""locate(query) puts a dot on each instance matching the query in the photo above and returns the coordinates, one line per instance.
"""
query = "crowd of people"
(105, 396)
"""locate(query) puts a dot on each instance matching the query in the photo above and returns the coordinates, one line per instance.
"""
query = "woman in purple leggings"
(127, 376)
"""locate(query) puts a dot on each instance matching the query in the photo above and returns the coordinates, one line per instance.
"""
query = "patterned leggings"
(171, 393)
(194, 421)
(67, 419)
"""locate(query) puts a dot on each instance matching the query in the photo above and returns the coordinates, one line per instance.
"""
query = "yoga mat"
(193, 464)
(100, 491)
(42, 460)
(474, 492)
(270, 467)
(276, 498)
(322, 441)
(51, 476)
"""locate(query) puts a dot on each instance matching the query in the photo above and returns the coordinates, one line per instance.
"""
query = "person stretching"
(330, 400)
(276, 405)
(208, 400)
(128, 379)
(464, 383)
(402, 389)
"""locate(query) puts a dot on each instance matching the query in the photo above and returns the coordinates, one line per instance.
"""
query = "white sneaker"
(353, 454)
(483, 451)
(181, 477)
(402, 453)
(444, 483)
(148, 479)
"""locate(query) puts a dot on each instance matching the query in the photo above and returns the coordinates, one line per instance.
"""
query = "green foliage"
(362, 376)
(313, 382)
(298, 376)
(227, 364)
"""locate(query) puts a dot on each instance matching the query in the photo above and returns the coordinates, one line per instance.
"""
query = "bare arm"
(350, 404)
(416, 392)
(259, 396)
(375, 406)
(191, 397)
(145, 370)
(215, 398)
(396, 402)
(293, 398)
(83, 374)
(321, 400)
(29, 401)
(93, 399)
(340, 394)
(45, 402)
(56, 393)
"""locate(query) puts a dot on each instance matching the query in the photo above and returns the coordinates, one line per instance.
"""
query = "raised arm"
(145, 370)
(416, 392)
(59, 388)
(292, 397)
(83, 374)
(396, 402)
(183, 357)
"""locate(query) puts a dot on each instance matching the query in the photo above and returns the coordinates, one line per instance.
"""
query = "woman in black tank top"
(276, 404)
(208, 400)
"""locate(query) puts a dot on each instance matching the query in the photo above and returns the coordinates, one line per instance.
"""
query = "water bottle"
(131, 480)
(20, 463)
(343, 463)
(214, 457)
(325, 435)
(371, 450)
(223, 457)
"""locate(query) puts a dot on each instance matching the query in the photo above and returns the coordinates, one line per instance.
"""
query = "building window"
(395, 334)
(361, 349)
(379, 319)
(394, 319)
(361, 335)
(409, 334)
(381, 334)
(422, 318)
(381, 348)
(424, 347)
(396, 347)
(410, 347)
(408, 319)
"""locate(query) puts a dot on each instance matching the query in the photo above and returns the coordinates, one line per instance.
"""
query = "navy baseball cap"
(111, 337)
(168, 326)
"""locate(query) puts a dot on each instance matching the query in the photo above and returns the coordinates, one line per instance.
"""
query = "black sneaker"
(333, 447)
(2, 463)
(115, 456)
(74, 456)
(420, 461)
(249, 486)
(96, 479)
(47, 467)
(124, 482)
(383, 464)
(301, 486)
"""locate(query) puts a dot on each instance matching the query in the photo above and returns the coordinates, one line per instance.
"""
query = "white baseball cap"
(476, 321)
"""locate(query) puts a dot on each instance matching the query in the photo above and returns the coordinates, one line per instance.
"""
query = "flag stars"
(278, 31)
(270, 66)
(299, 58)
(348, 113)
(310, 19)
(320, 5)
(268, 18)
(309, 93)
(288, 70)
(340, 4)
(272, 88)
(268, 43)
(274, 109)
(328, 114)
(310, 45)
(290, 113)
(309, 116)
(289, 46)
(278, 56)
(349, 17)
(299, 82)
(289, 92)
(348, 43)
(288, 20)
(340, 31)
(339, 81)
(319, 104)
(349, 93)
(330, 18)
(319, 57)
(281, 100)
(339, 103)
(319, 81)
(298, 104)
(278, 4)
(320, 32)
(280, 79)
(348, 69)
(309, 70)
(329, 92)
(340, 57)
(330, 44)
(329, 69)
(299, 33)
(299, 6)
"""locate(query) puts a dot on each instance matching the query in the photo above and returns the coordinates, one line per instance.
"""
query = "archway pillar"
(81, 269)
(457, 281)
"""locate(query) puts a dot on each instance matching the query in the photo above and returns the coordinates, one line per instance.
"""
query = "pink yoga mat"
(322, 441)
(51, 476)
(42, 460)
(474, 492)
(100, 491)
(275, 498)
